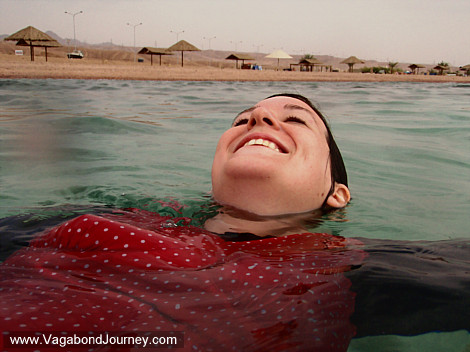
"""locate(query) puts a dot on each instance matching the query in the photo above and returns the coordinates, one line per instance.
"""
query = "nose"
(262, 117)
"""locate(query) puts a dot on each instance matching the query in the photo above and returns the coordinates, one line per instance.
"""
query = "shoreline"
(74, 69)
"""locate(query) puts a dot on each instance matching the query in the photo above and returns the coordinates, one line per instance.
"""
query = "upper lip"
(267, 137)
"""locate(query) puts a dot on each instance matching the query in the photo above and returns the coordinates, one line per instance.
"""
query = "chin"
(252, 168)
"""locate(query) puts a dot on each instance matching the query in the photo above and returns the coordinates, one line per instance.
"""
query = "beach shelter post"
(32, 37)
(182, 46)
(44, 44)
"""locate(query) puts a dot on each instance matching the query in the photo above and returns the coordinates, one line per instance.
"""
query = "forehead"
(281, 105)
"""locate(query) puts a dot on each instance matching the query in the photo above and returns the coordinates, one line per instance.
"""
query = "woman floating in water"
(252, 280)
(279, 158)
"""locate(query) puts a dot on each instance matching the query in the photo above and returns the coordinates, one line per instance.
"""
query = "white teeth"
(263, 142)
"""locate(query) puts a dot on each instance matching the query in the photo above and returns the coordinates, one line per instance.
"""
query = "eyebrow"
(298, 107)
(244, 112)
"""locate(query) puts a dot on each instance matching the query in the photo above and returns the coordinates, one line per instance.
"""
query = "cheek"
(220, 155)
(315, 166)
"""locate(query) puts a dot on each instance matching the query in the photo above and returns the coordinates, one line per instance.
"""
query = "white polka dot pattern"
(128, 272)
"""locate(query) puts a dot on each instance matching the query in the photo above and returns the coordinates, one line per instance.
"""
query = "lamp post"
(236, 44)
(134, 25)
(257, 47)
(74, 37)
(209, 39)
(177, 35)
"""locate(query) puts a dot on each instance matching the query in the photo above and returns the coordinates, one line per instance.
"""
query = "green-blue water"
(82, 144)
(130, 143)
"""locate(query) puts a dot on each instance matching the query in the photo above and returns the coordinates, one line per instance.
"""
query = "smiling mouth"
(264, 143)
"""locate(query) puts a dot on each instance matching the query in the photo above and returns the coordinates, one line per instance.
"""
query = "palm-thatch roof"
(413, 66)
(30, 34)
(39, 43)
(351, 61)
(182, 46)
(239, 57)
(155, 51)
(33, 37)
(312, 61)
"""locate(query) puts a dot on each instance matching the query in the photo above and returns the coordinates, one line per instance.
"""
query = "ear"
(340, 196)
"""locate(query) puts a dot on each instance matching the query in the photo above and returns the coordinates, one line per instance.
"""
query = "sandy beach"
(58, 68)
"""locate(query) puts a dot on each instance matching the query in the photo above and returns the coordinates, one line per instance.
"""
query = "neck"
(230, 219)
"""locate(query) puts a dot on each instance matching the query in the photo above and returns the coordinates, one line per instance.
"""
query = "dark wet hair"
(338, 170)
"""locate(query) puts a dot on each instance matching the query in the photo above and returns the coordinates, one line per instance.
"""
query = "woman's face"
(274, 160)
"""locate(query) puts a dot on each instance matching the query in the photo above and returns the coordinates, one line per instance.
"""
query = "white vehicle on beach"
(76, 54)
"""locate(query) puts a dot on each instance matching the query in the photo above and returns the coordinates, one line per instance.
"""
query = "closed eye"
(295, 119)
(240, 122)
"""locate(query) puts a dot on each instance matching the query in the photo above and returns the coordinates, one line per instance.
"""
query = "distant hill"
(110, 51)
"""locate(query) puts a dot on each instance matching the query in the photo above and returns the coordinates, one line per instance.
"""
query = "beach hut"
(351, 61)
(415, 68)
(279, 54)
(33, 37)
(309, 64)
(239, 57)
(154, 51)
(441, 68)
(466, 68)
(182, 46)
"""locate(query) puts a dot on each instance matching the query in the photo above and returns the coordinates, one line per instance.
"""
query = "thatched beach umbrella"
(351, 61)
(441, 68)
(182, 46)
(155, 51)
(237, 57)
(415, 68)
(31, 37)
(279, 54)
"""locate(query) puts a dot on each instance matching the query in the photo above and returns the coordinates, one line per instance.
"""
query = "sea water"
(80, 144)
(134, 143)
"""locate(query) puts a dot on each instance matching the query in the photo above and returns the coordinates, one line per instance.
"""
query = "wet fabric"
(138, 271)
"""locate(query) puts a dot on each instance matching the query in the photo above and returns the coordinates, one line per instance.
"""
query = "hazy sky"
(413, 31)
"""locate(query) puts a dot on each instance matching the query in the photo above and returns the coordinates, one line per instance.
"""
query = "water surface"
(73, 146)
(133, 143)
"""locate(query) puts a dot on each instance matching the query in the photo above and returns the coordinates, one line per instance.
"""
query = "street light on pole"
(236, 44)
(257, 47)
(134, 25)
(209, 39)
(74, 37)
(177, 35)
